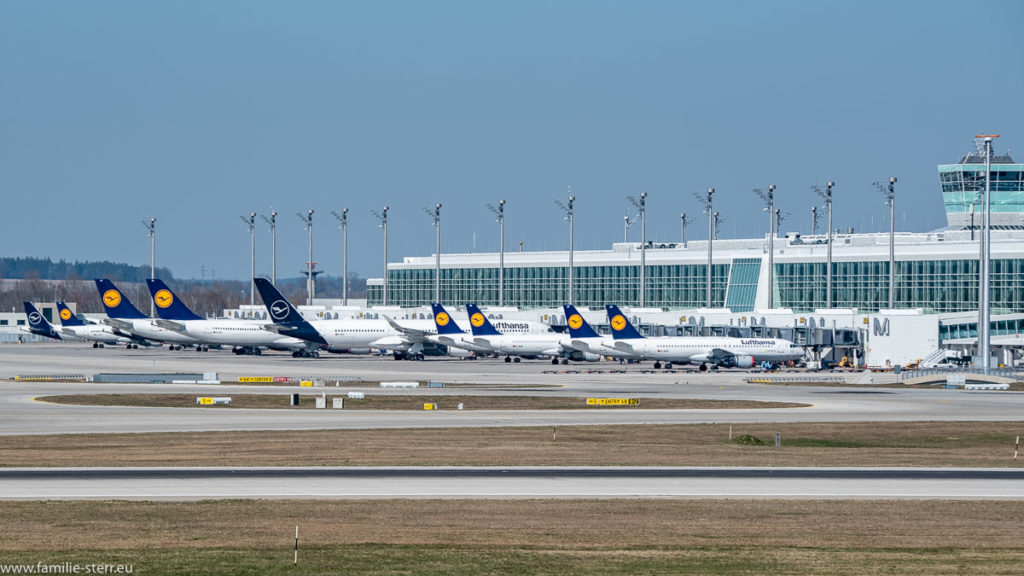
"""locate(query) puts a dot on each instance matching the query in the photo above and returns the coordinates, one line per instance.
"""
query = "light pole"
(706, 201)
(683, 221)
(500, 213)
(890, 201)
(273, 245)
(436, 215)
(769, 200)
(383, 217)
(251, 222)
(567, 208)
(310, 281)
(827, 195)
(641, 205)
(984, 304)
(719, 219)
(343, 218)
(814, 220)
(151, 226)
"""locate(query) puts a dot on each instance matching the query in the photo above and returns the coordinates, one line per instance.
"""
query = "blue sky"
(197, 112)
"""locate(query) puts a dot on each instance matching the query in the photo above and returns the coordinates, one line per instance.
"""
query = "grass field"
(522, 537)
(404, 402)
(930, 444)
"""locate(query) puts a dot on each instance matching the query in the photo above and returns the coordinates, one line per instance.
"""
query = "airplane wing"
(411, 333)
(482, 342)
(623, 346)
(118, 324)
(172, 326)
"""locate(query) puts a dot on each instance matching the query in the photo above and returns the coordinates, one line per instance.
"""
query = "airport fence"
(1016, 372)
(815, 379)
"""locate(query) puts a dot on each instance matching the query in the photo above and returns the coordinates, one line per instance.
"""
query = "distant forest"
(46, 269)
(42, 280)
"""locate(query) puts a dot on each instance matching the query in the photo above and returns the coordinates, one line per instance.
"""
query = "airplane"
(717, 351)
(585, 339)
(126, 320)
(516, 346)
(353, 336)
(37, 324)
(99, 334)
(246, 337)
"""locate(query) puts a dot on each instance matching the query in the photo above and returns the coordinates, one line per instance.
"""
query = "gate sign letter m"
(881, 328)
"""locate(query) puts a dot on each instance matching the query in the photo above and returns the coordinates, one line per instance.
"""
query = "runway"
(20, 414)
(507, 483)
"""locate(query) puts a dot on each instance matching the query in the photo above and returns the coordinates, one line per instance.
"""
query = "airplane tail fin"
(621, 327)
(168, 305)
(67, 317)
(115, 303)
(444, 322)
(479, 323)
(285, 315)
(578, 327)
(37, 324)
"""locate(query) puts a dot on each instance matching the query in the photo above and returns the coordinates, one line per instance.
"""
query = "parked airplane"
(585, 339)
(127, 321)
(516, 346)
(98, 334)
(37, 324)
(244, 336)
(350, 335)
(717, 351)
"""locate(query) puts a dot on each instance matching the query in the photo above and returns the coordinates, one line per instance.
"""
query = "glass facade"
(743, 284)
(934, 285)
(668, 286)
(954, 331)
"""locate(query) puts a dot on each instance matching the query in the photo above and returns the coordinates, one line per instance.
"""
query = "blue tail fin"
(444, 322)
(115, 303)
(578, 327)
(621, 328)
(168, 306)
(67, 317)
(285, 315)
(478, 322)
(37, 324)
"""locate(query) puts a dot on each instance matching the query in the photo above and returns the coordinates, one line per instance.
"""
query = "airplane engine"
(578, 356)
(459, 352)
(739, 361)
(359, 350)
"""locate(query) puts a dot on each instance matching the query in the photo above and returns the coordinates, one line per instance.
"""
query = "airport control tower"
(963, 184)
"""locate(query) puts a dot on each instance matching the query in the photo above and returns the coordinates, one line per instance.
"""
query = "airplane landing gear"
(657, 365)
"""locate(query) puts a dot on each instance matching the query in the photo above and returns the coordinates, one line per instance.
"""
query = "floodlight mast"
(984, 304)
(310, 281)
(641, 205)
(814, 220)
(890, 201)
(500, 213)
(383, 217)
(568, 208)
(683, 221)
(151, 226)
(436, 215)
(827, 195)
(706, 201)
(250, 221)
(769, 200)
(343, 218)
(272, 220)
(628, 221)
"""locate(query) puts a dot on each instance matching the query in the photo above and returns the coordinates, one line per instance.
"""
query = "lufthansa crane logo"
(477, 320)
(575, 321)
(65, 314)
(163, 298)
(618, 322)
(112, 298)
(35, 318)
(279, 310)
(442, 319)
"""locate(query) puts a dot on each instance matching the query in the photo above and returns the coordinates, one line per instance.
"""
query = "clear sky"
(198, 112)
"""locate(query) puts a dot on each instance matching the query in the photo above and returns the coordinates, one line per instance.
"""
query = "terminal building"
(936, 277)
